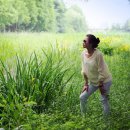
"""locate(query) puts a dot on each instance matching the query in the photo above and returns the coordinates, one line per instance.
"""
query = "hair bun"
(98, 40)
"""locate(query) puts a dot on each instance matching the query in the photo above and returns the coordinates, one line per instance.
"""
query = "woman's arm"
(85, 78)
(85, 87)
(83, 71)
(101, 67)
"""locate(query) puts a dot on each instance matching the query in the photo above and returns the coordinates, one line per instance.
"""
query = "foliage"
(60, 14)
(127, 25)
(75, 20)
(37, 15)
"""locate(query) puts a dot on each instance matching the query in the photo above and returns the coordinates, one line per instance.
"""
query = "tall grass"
(35, 82)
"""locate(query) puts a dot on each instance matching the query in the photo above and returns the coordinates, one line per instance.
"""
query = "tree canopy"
(39, 15)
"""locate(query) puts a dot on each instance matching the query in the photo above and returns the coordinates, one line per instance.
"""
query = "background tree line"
(40, 15)
(125, 27)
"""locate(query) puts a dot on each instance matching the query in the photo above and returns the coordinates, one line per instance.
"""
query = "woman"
(95, 72)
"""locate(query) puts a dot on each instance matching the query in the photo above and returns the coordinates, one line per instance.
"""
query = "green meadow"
(40, 82)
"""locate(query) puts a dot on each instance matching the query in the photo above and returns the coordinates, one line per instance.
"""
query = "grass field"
(40, 82)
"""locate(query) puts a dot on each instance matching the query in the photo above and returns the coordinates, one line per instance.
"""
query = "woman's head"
(91, 41)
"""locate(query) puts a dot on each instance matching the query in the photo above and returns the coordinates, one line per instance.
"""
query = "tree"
(60, 12)
(127, 25)
(8, 13)
(46, 16)
(33, 13)
(40, 15)
(75, 20)
(116, 27)
(22, 17)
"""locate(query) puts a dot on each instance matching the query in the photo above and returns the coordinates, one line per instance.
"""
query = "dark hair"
(93, 40)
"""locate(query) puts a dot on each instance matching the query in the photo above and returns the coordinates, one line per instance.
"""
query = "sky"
(103, 13)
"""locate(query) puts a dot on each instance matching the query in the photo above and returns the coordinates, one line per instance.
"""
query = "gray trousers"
(104, 98)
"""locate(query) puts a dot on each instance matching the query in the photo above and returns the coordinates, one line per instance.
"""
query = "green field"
(40, 82)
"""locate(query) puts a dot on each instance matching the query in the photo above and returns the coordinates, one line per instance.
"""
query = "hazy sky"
(103, 13)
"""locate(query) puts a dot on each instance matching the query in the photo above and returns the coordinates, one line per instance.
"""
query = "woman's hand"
(100, 83)
(85, 88)
(101, 88)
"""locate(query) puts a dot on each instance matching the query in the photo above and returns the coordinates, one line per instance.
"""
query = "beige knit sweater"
(95, 68)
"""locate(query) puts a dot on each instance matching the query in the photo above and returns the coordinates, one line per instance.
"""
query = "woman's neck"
(90, 51)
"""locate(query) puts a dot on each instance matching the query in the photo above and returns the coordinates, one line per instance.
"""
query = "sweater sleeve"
(82, 64)
(82, 68)
(101, 67)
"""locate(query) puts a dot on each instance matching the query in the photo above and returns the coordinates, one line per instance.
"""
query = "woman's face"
(86, 43)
